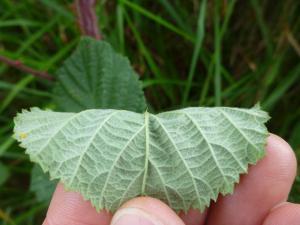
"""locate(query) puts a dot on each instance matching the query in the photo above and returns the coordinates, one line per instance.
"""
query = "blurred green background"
(187, 53)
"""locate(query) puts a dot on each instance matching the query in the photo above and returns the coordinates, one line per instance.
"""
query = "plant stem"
(87, 18)
(20, 66)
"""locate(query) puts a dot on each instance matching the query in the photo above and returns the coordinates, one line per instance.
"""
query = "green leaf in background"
(40, 184)
(184, 157)
(95, 76)
(4, 173)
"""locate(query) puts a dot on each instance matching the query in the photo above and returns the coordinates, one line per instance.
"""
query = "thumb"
(145, 211)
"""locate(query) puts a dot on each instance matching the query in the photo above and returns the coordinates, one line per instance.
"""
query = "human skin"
(260, 198)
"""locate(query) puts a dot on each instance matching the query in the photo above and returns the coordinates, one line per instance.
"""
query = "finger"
(287, 213)
(193, 217)
(267, 184)
(145, 211)
(70, 208)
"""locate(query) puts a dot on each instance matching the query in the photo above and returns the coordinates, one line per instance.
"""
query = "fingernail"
(134, 216)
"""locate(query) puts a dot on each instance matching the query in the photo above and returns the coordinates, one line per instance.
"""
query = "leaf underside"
(184, 157)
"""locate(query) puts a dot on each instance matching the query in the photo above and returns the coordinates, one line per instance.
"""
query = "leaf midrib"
(146, 124)
(115, 161)
(182, 159)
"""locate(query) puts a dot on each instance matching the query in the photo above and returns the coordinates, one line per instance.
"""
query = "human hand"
(259, 199)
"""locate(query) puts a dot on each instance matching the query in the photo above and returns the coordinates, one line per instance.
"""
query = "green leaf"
(184, 157)
(95, 76)
(40, 184)
(4, 173)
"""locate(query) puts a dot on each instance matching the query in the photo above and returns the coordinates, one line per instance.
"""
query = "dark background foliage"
(242, 52)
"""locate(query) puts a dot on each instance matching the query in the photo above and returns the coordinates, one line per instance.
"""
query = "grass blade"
(281, 89)
(149, 59)
(217, 55)
(263, 27)
(199, 40)
(174, 14)
(157, 19)
(15, 91)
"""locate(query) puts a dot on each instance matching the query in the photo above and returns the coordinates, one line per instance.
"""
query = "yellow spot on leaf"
(23, 135)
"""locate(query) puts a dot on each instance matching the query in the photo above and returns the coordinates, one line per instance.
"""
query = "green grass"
(188, 53)
(196, 52)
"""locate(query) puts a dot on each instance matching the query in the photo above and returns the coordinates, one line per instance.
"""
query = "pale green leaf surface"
(184, 157)
(95, 76)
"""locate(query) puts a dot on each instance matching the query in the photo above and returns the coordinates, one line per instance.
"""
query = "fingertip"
(277, 142)
(68, 207)
(145, 211)
(279, 151)
(287, 213)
